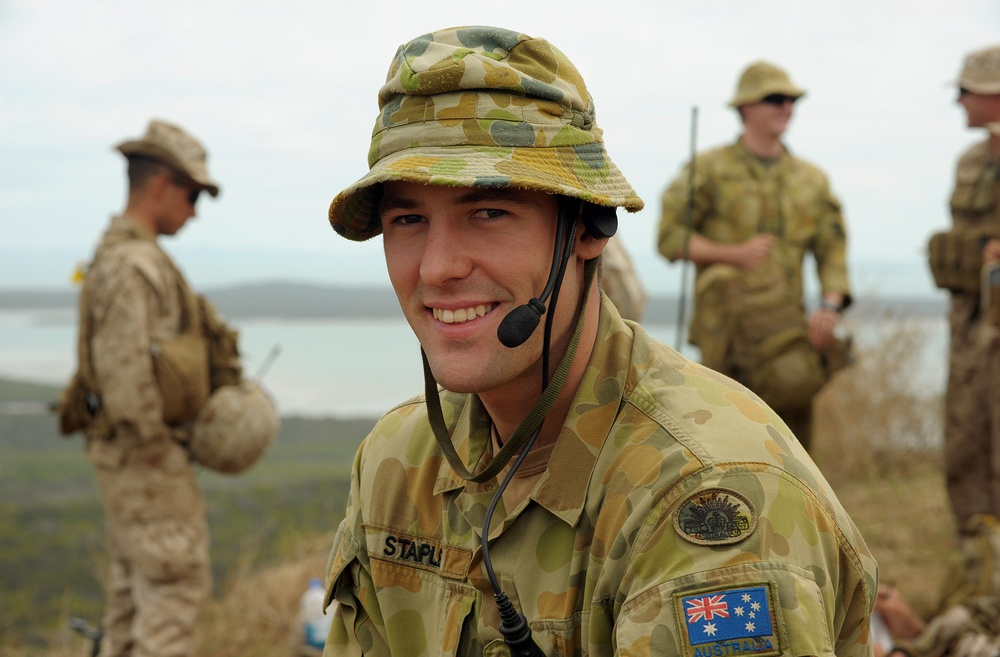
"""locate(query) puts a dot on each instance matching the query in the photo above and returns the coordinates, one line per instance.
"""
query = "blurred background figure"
(959, 258)
(967, 622)
(135, 304)
(621, 282)
(747, 215)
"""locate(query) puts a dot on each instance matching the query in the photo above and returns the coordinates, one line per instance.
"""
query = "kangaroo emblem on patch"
(715, 517)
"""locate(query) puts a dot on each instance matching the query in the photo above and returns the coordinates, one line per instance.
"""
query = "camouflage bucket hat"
(483, 107)
(761, 79)
(981, 71)
(177, 149)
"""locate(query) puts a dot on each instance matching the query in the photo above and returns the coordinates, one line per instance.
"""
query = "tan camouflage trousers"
(972, 423)
(158, 543)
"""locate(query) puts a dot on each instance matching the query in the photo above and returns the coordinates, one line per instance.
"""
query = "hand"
(821, 326)
(991, 251)
(900, 619)
(754, 251)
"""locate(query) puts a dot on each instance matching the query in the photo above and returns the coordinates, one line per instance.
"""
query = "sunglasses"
(193, 194)
(962, 91)
(778, 99)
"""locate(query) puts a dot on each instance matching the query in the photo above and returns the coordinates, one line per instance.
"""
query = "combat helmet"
(483, 107)
(761, 79)
(234, 428)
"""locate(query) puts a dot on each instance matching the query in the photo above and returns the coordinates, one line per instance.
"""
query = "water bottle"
(315, 625)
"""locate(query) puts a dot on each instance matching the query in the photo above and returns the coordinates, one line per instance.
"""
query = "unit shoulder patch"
(717, 516)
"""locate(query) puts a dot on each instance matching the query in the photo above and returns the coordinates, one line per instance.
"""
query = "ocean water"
(352, 368)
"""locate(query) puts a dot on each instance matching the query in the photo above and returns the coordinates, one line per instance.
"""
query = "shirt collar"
(130, 229)
(562, 488)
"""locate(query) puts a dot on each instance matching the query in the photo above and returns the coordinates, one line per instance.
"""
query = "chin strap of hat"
(530, 423)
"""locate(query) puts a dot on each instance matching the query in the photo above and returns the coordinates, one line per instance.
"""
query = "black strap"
(528, 425)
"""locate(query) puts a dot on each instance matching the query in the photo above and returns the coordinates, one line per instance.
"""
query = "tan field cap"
(174, 147)
(981, 71)
(761, 79)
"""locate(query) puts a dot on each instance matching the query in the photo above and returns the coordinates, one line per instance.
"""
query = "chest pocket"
(419, 605)
(423, 593)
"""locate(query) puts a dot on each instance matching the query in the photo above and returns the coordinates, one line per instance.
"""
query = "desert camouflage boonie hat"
(761, 79)
(177, 149)
(483, 107)
(981, 71)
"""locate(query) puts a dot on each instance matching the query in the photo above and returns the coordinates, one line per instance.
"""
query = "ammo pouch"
(223, 351)
(182, 375)
(77, 406)
(196, 363)
(956, 260)
(751, 326)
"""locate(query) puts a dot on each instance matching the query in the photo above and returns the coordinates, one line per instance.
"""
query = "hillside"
(296, 300)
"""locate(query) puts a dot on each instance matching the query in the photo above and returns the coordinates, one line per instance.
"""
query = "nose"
(446, 256)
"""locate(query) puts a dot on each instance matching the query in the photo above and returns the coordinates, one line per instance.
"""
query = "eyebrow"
(505, 194)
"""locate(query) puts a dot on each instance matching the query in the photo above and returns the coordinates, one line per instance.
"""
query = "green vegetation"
(52, 556)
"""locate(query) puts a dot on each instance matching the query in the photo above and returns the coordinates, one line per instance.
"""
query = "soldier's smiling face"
(460, 259)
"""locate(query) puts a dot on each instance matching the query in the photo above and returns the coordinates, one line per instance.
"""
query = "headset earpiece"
(599, 221)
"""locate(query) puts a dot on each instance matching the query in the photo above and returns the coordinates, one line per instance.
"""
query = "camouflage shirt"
(135, 300)
(677, 516)
(975, 207)
(737, 196)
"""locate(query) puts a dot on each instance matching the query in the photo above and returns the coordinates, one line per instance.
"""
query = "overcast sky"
(283, 94)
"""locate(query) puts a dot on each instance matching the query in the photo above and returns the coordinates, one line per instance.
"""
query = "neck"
(507, 411)
(140, 215)
(763, 145)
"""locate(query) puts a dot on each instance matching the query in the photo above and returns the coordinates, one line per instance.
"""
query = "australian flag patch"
(723, 622)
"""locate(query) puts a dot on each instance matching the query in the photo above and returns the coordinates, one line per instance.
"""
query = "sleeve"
(122, 361)
(674, 229)
(830, 244)
(354, 630)
(746, 562)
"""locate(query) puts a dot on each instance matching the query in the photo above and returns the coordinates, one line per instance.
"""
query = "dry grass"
(878, 441)
(870, 420)
(256, 615)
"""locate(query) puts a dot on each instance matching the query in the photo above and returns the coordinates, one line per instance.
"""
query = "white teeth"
(462, 314)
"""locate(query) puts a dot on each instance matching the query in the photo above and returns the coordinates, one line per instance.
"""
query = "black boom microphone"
(520, 323)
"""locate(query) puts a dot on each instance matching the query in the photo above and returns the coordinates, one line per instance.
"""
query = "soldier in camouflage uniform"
(752, 205)
(967, 623)
(972, 403)
(661, 508)
(133, 299)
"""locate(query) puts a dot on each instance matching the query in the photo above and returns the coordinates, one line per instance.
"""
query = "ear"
(588, 247)
(157, 185)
